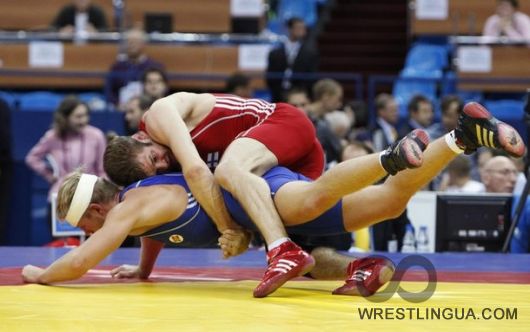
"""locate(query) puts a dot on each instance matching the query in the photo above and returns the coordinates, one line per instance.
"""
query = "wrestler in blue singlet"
(195, 228)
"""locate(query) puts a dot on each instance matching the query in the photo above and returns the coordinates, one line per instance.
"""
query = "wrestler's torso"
(216, 120)
(192, 229)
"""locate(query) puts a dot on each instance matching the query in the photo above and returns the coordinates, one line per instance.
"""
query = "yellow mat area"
(229, 306)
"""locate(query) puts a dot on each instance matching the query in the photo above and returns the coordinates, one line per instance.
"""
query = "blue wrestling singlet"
(195, 228)
(329, 223)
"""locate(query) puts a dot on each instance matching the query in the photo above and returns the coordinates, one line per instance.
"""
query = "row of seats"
(45, 101)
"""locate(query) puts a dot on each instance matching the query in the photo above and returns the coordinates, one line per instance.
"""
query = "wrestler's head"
(84, 200)
(130, 159)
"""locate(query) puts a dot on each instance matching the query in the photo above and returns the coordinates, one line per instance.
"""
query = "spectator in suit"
(451, 107)
(239, 84)
(155, 83)
(125, 75)
(71, 143)
(508, 22)
(384, 132)
(6, 167)
(420, 115)
(294, 56)
(80, 16)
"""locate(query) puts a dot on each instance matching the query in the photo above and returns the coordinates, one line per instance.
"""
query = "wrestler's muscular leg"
(239, 171)
(376, 203)
(299, 202)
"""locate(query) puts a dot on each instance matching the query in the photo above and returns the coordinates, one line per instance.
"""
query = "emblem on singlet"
(176, 238)
(212, 160)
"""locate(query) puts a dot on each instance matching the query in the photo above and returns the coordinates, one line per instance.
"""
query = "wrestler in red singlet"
(283, 129)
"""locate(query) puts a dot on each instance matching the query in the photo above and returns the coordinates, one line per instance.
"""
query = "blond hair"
(326, 86)
(104, 191)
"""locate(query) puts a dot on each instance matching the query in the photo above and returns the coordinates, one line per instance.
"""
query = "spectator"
(239, 84)
(420, 115)
(327, 98)
(80, 17)
(298, 97)
(6, 168)
(508, 22)
(294, 56)
(123, 80)
(155, 83)
(340, 123)
(384, 132)
(499, 175)
(457, 178)
(71, 143)
(451, 106)
(134, 110)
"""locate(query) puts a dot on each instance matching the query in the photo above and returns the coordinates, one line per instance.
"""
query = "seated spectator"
(327, 98)
(383, 133)
(239, 84)
(508, 22)
(451, 106)
(298, 97)
(499, 175)
(155, 83)
(420, 115)
(124, 78)
(340, 123)
(80, 17)
(457, 178)
(135, 108)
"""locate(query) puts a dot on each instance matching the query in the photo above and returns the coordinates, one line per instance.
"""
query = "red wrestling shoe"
(287, 261)
(366, 276)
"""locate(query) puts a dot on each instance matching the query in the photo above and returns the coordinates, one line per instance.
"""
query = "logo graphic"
(176, 238)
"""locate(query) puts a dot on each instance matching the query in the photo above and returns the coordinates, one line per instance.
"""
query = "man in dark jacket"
(293, 57)
(80, 15)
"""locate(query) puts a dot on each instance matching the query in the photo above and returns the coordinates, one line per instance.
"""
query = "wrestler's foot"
(405, 153)
(477, 127)
(287, 261)
(366, 276)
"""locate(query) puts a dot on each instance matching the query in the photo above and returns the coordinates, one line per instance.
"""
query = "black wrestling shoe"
(477, 127)
(405, 153)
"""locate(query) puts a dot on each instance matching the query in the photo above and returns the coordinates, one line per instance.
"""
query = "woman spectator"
(69, 144)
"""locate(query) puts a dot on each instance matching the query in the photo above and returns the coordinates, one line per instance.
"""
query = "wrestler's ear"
(98, 209)
(141, 136)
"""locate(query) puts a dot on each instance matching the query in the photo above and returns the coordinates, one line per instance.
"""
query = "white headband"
(81, 199)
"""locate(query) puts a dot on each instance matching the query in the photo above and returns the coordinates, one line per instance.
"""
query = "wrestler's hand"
(31, 274)
(127, 271)
(234, 242)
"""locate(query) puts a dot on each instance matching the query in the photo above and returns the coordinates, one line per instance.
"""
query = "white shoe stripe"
(285, 266)
(286, 261)
(277, 269)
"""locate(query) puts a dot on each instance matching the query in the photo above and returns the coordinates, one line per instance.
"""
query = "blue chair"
(304, 9)
(506, 110)
(95, 100)
(406, 88)
(10, 98)
(425, 61)
(40, 101)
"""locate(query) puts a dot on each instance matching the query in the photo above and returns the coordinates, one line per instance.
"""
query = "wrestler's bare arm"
(136, 211)
(148, 254)
(165, 124)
